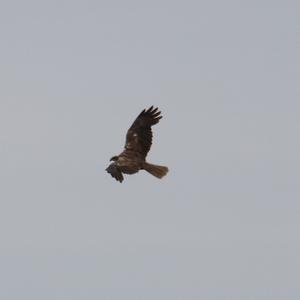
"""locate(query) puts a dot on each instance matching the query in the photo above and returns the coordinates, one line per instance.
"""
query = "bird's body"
(137, 146)
(129, 162)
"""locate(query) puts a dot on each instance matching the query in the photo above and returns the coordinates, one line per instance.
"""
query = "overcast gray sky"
(224, 223)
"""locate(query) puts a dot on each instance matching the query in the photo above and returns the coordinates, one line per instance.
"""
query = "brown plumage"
(137, 146)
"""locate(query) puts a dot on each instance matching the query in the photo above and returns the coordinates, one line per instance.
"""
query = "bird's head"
(114, 158)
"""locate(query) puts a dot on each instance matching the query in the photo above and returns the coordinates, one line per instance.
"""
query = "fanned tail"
(155, 170)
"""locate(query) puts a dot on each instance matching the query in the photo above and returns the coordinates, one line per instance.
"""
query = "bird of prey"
(137, 146)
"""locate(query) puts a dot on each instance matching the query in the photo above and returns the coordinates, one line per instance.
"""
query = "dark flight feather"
(139, 135)
(115, 172)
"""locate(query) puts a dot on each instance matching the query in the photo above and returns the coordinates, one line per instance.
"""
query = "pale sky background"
(224, 223)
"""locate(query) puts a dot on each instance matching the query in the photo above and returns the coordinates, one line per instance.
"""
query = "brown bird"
(137, 146)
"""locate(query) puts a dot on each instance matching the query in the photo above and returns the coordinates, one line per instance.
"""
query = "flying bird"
(137, 145)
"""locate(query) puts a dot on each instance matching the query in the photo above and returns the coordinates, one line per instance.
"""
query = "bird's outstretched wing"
(114, 171)
(139, 135)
